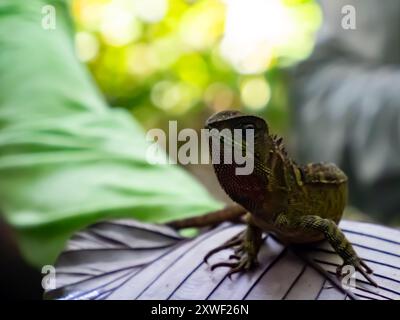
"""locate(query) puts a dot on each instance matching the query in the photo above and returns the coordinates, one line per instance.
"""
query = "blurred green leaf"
(67, 160)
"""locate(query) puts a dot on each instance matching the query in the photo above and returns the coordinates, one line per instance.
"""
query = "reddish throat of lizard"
(248, 190)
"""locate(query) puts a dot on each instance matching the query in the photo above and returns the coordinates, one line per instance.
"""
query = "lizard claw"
(245, 260)
(361, 267)
(236, 240)
(234, 256)
(222, 264)
(245, 263)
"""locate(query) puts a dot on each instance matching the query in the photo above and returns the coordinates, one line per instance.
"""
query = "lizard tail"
(229, 213)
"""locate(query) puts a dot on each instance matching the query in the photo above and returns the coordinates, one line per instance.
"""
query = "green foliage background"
(173, 68)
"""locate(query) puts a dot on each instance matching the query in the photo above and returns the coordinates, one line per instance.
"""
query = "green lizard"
(298, 204)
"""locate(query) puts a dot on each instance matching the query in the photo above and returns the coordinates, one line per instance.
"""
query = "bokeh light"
(87, 46)
(162, 59)
(151, 10)
(254, 29)
(255, 93)
(119, 26)
(202, 25)
(141, 60)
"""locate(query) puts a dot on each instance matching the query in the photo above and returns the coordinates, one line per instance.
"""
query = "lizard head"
(229, 121)
(244, 189)
(236, 120)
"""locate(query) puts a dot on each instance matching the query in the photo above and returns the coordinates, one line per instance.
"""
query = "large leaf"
(125, 259)
(66, 158)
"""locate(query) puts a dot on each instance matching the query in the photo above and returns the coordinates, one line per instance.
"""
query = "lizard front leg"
(246, 246)
(335, 237)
